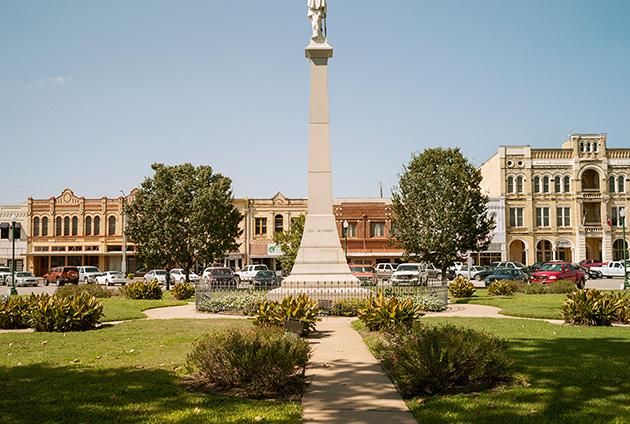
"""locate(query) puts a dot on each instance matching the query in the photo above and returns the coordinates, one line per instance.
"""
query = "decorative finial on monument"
(317, 15)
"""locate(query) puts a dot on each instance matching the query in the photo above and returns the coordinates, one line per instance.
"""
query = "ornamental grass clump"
(182, 291)
(142, 290)
(64, 313)
(591, 307)
(260, 362)
(461, 287)
(500, 288)
(273, 314)
(561, 286)
(347, 307)
(442, 359)
(13, 312)
(380, 312)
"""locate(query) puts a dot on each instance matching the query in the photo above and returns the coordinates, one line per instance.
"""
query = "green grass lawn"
(565, 374)
(546, 306)
(126, 373)
(118, 308)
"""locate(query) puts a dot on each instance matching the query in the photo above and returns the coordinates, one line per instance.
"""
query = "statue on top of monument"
(317, 13)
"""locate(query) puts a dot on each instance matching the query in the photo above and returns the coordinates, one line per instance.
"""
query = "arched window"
(536, 184)
(36, 227)
(557, 184)
(519, 184)
(75, 225)
(543, 251)
(618, 250)
(510, 184)
(88, 226)
(66, 226)
(567, 184)
(611, 184)
(44, 226)
(546, 185)
(97, 225)
(620, 184)
(58, 226)
(112, 225)
(278, 224)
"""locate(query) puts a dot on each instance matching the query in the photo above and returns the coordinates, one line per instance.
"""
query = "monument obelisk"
(320, 265)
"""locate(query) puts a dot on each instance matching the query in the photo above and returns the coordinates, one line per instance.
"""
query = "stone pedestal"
(320, 269)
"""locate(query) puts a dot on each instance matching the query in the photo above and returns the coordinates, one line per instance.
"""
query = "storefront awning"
(80, 253)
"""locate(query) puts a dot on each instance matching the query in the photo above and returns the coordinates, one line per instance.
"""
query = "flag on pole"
(608, 221)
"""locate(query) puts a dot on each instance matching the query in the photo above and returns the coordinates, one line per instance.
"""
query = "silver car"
(178, 275)
(158, 275)
(88, 274)
(110, 278)
(23, 278)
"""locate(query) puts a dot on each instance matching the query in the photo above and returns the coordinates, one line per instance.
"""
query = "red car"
(587, 263)
(365, 273)
(556, 271)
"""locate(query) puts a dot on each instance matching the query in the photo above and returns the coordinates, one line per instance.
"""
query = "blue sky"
(93, 92)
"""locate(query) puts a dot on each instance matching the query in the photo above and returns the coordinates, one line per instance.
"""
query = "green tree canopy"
(289, 242)
(183, 214)
(439, 208)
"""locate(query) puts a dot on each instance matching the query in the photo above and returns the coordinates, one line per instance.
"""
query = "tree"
(439, 209)
(183, 214)
(289, 242)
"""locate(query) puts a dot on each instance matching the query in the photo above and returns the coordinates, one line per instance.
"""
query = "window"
(75, 226)
(615, 216)
(58, 226)
(536, 184)
(542, 217)
(261, 226)
(516, 217)
(546, 185)
(44, 226)
(563, 216)
(620, 184)
(557, 184)
(567, 184)
(543, 251)
(66, 226)
(581, 146)
(88, 226)
(352, 229)
(618, 250)
(510, 185)
(278, 224)
(377, 229)
(611, 184)
(519, 184)
(97, 225)
(36, 227)
(112, 225)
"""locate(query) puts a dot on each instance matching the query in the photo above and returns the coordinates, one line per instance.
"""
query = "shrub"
(95, 290)
(182, 291)
(347, 307)
(461, 287)
(428, 302)
(64, 313)
(245, 302)
(437, 359)
(142, 290)
(130, 276)
(13, 312)
(258, 362)
(500, 288)
(592, 307)
(379, 312)
(301, 308)
(561, 286)
(518, 286)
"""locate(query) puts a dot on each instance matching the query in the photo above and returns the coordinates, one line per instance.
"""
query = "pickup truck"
(613, 269)
(587, 263)
(556, 271)
(384, 271)
(248, 273)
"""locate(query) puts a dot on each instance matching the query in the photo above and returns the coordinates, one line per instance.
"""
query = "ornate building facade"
(560, 204)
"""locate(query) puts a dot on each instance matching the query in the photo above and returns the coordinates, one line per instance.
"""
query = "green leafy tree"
(289, 242)
(182, 214)
(439, 209)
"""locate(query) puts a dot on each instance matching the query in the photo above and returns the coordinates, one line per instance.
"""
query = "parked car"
(61, 275)
(555, 271)
(178, 275)
(247, 273)
(409, 274)
(110, 278)
(23, 278)
(613, 269)
(88, 274)
(587, 263)
(365, 273)
(266, 279)
(533, 268)
(506, 274)
(589, 274)
(4, 272)
(472, 273)
(220, 277)
(384, 271)
(432, 272)
(158, 275)
(513, 265)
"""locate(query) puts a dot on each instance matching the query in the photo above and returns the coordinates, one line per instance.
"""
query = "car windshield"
(160, 272)
(23, 274)
(91, 269)
(116, 273)
(5, 270)
(551, 267)
(503, 272)
(518, 265)
(407, 268)
(221, 271)
(265, 274)
(361, 269)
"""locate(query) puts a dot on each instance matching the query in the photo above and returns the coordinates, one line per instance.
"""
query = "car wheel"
(46, 282)
(581, 284)
(237, 279)
(477, 277)
(58, 283)
(181, 280)
(439, 276)
(86, 281)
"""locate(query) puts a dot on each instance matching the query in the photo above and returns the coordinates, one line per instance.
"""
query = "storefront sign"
(563, 243)
(274, 250)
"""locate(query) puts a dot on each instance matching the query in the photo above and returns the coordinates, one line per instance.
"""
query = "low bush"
(130, 276)
(258, 362)
(245, 302)
(380, 312)
(428, 302)
(272, 314)
(500, 288)
(429, 360)
(95, 290)
(142, 290)
(518, 286)
(561, 286)
(13, 312)
(347, 307)
(461, 287)
(182, 291)
(592, 307)
(64, 313)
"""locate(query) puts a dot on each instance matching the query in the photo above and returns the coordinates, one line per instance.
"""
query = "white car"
(110, 278)
(88, 274)
(23, 278)
(178, 275)
(249, 272)
(470, 274)
(4, 273)
(410, 274)
(155, 274)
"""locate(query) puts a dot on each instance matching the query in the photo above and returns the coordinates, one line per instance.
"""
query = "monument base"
(326, 291)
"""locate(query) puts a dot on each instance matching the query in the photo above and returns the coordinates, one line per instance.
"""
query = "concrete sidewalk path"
(347, 385)
(184, 311)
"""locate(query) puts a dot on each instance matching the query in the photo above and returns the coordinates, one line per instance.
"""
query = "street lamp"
(124, 240)
(13, 291)
(345, 236)
(622, 215)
